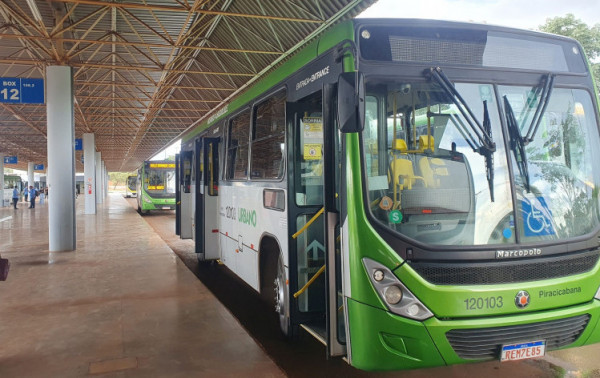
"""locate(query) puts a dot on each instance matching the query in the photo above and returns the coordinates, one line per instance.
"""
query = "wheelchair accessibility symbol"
(537, 217)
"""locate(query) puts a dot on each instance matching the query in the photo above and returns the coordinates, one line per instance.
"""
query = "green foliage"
(118, 178)
(589, 37)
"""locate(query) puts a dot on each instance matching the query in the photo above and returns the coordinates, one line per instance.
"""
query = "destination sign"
(14, 90)
(10, 160)
(162, 165)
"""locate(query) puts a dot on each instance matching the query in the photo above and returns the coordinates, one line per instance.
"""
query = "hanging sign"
(38, 167)
(14, 90)
(78, 144)
(10, 160)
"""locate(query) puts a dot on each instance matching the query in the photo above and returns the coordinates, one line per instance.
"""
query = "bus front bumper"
(381, 340)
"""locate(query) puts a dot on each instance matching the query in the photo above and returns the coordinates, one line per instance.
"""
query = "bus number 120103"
(486, 303)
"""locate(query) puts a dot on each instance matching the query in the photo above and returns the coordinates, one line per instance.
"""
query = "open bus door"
(177, 195)
(332, 162)
(315, 278)
(210, 201)
(186, 159)
(198, 202)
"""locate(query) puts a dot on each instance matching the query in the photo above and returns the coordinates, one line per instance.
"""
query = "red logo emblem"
(522, 299)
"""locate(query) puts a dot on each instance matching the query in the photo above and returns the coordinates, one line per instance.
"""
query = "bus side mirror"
(351, 102)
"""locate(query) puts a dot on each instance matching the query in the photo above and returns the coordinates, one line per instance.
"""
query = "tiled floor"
(122, 304)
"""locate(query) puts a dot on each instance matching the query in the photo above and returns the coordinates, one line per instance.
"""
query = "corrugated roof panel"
(136, 85)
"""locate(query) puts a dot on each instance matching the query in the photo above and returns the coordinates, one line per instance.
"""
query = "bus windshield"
(131, 182)
(426, 181)
(160, 181)
(561, 198)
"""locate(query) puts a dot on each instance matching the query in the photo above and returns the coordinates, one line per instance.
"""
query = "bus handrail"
(300, 231)
(312, 279)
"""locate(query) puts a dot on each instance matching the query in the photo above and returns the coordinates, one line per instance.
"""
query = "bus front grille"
(486, 343)
(471, 273)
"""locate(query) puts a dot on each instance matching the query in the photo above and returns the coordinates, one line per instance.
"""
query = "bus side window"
(268, 139)
(188, 172)
(237, 146)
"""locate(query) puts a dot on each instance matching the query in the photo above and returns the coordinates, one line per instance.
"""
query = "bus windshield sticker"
(395, 216)
(313, 127)
(386, 203)
(312, 151)
(537, 217)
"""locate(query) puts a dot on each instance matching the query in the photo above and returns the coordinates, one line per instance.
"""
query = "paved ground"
(122, 304)
(306, 357)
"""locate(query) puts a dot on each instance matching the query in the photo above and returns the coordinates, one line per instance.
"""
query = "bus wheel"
(282, 300)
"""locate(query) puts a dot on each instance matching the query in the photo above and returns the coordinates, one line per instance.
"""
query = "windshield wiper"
(489, 155)
(480, 137)
(546, 90)
(517, 143)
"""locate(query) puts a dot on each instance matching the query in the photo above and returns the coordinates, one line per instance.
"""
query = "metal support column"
(61, 158)
(104, 181)
(99, 198)
(30, 176)
(89, 173)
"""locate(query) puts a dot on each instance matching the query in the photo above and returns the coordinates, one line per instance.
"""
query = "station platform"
(121, 304)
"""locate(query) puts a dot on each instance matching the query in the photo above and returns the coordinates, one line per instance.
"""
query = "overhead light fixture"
(35, 11)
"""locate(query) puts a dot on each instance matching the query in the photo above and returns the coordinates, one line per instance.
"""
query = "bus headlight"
(597, 296)
(147, 200)
(394, 294)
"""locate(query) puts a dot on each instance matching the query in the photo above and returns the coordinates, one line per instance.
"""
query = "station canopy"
(145, 71)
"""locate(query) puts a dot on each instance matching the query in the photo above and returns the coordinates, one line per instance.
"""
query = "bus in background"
(10, 182)
(415, 193)
(155, 186)
(130, 186)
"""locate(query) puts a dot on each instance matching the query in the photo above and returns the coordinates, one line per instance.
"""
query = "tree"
(589, 37)
(118, 178)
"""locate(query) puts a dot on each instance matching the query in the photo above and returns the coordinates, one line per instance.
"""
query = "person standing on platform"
(32, 195)
(15, 196)
(25, 193)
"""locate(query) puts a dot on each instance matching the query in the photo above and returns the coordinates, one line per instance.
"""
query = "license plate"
(522, 351)
(166, 208)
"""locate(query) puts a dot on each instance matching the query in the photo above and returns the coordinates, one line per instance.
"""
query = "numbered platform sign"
(10, 160)
(14, 90)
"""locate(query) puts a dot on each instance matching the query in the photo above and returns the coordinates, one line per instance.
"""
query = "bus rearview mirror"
(351, 102)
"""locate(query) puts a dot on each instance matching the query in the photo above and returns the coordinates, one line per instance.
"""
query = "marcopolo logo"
(501, 254)
(247, 217)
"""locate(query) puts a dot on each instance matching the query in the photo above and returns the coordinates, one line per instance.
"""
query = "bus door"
(198, 203)
(314, 219)
(177, 195)
(210, 197)
(332, 162)
(186, 176)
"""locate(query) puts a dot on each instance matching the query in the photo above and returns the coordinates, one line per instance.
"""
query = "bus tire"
(282, 301)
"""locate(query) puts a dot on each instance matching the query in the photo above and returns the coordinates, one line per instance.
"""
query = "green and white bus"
(11, 182)
(415, 193)
(131, 186)
(155, 186)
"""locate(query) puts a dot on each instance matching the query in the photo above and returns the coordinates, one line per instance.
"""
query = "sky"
(523, 14)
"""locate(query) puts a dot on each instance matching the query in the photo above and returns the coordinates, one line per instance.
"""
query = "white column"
(89, 173)
(104, 181)
(99, 198)
(2, 181)
(61, 158)
(30, 177)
